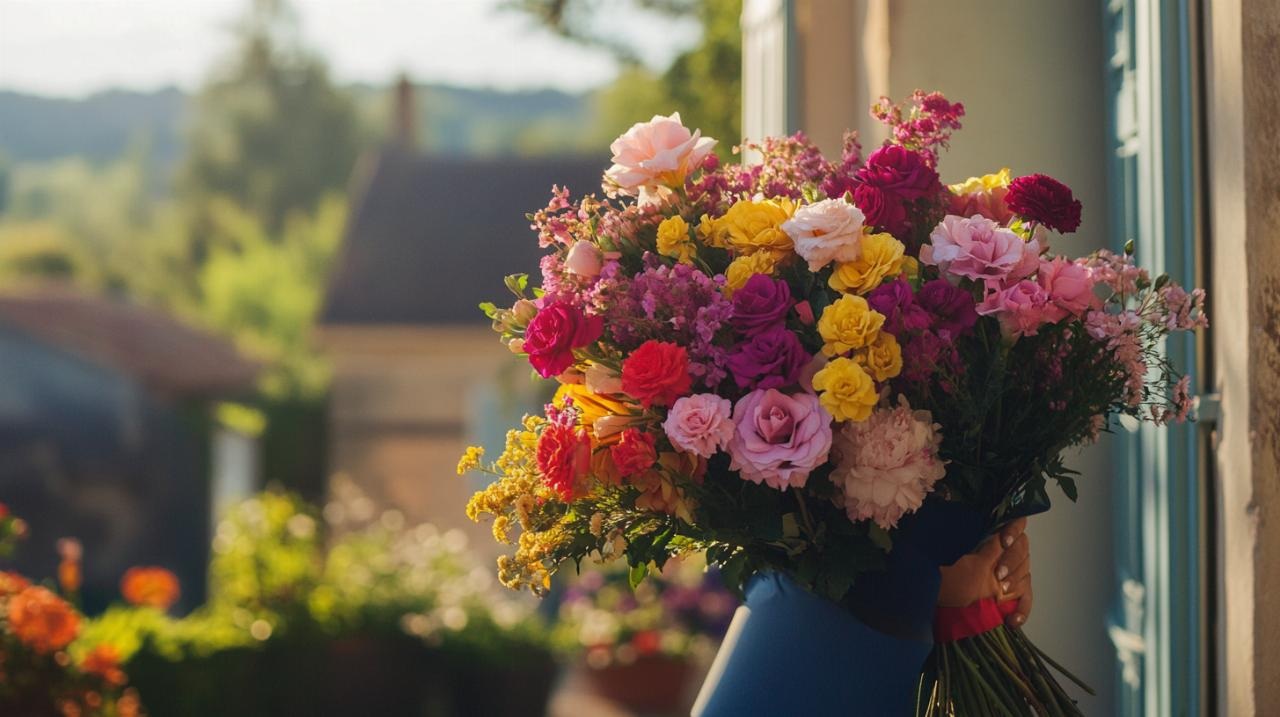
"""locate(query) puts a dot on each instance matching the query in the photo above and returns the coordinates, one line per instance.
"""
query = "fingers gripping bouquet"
(775, 363)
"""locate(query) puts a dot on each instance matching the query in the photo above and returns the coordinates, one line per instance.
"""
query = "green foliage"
(270, 130)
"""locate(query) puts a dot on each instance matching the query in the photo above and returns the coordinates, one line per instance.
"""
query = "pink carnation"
(1021, 308)
(700, 424)
(653, 156)
(1070, 288)
(778, 438)
(888, 463)
(980, 249)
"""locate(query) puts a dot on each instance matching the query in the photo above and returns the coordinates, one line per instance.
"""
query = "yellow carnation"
(846, 390)
(673, 239)
(745, 267)
(712, 233)
(754, 226)
(849, 323)
(985, 183)
(881, 258)
(882, 358)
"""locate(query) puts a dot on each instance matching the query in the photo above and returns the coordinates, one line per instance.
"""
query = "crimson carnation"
(1043, 199)
(656, 374)
(634, 453)
(554, 333)
(564, 456)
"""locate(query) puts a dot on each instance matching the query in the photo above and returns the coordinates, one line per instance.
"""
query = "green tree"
(270, 131)
(704, 84)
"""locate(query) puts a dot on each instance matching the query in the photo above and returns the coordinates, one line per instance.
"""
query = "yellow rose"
(985, 183)
(882, 358)
(754, 226)
(745, 267)
(849, 323)
(845, 390)
(673, 240)
(881, 258)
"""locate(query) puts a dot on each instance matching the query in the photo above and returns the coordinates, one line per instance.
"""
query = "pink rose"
(554, 333)
(779, 439)
(584, 259)
(886, 464)
(1021, 308)
(1070, 288)
(977, 248)
(826, 231)
(700, 424)
(654, 156)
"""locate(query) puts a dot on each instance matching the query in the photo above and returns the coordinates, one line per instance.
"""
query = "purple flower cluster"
(769, 355)
(926, 323)
(676, 304)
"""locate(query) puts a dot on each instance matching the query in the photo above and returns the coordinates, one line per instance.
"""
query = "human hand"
(1000, 568)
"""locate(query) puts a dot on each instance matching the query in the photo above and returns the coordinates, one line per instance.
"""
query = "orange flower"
(151, 586)
(42, 620)
(104, 661)
(12, 583)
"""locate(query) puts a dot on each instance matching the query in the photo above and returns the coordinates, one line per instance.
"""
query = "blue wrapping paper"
(791, 652)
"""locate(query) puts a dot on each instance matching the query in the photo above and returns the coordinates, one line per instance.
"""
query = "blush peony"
(1021, 308)
(1070, 288)
(886, 464)
(654, 156)
(779, 439)
(826, 231)
(701, 424)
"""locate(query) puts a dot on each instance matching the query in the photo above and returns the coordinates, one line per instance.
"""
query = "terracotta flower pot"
(653, 683)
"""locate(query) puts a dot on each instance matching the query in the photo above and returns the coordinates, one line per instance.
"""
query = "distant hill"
(453, 121)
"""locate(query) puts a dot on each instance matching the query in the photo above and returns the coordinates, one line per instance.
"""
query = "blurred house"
(418, 374)
(106, 434)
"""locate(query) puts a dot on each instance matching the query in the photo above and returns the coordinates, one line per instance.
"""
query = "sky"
(71, 48)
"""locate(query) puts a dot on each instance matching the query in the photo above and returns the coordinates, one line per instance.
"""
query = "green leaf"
(880, 537)
(1068, 486)
(489, 308)
(637, 574)
(1128, 248)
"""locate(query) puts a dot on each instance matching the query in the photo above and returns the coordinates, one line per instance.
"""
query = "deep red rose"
(883, 210)
(554, 333)
(952, 308)
(1043, 199)
(901, 172)
(564, 458)
(656, 374)
(635, 453)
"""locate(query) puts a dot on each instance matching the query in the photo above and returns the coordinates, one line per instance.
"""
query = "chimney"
(404, 131)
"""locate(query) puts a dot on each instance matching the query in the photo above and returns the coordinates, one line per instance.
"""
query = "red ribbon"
(957, 623)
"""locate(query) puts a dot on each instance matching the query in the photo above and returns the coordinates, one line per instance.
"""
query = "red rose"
(656, 374)
(900, 172)
(564, 457)
(634, 453)
(554, 333)
(1043, 199)
(882, 210)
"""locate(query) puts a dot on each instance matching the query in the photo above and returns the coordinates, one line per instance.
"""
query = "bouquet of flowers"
(775, 363)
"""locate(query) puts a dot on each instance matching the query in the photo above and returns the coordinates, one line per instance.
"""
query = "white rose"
(826, 231)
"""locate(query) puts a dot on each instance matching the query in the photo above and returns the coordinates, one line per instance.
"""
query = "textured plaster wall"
(1243, 96)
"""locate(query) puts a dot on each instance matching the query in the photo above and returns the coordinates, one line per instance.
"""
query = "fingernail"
(1002, 573)
(1004, 586)
(1008, 540)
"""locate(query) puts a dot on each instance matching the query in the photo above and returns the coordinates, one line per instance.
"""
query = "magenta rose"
(897, 303)
(779, 439)
(554, 333)
(951, 308)
(770, 359)
(760, 304)
(1043, 199)
(882, 209)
